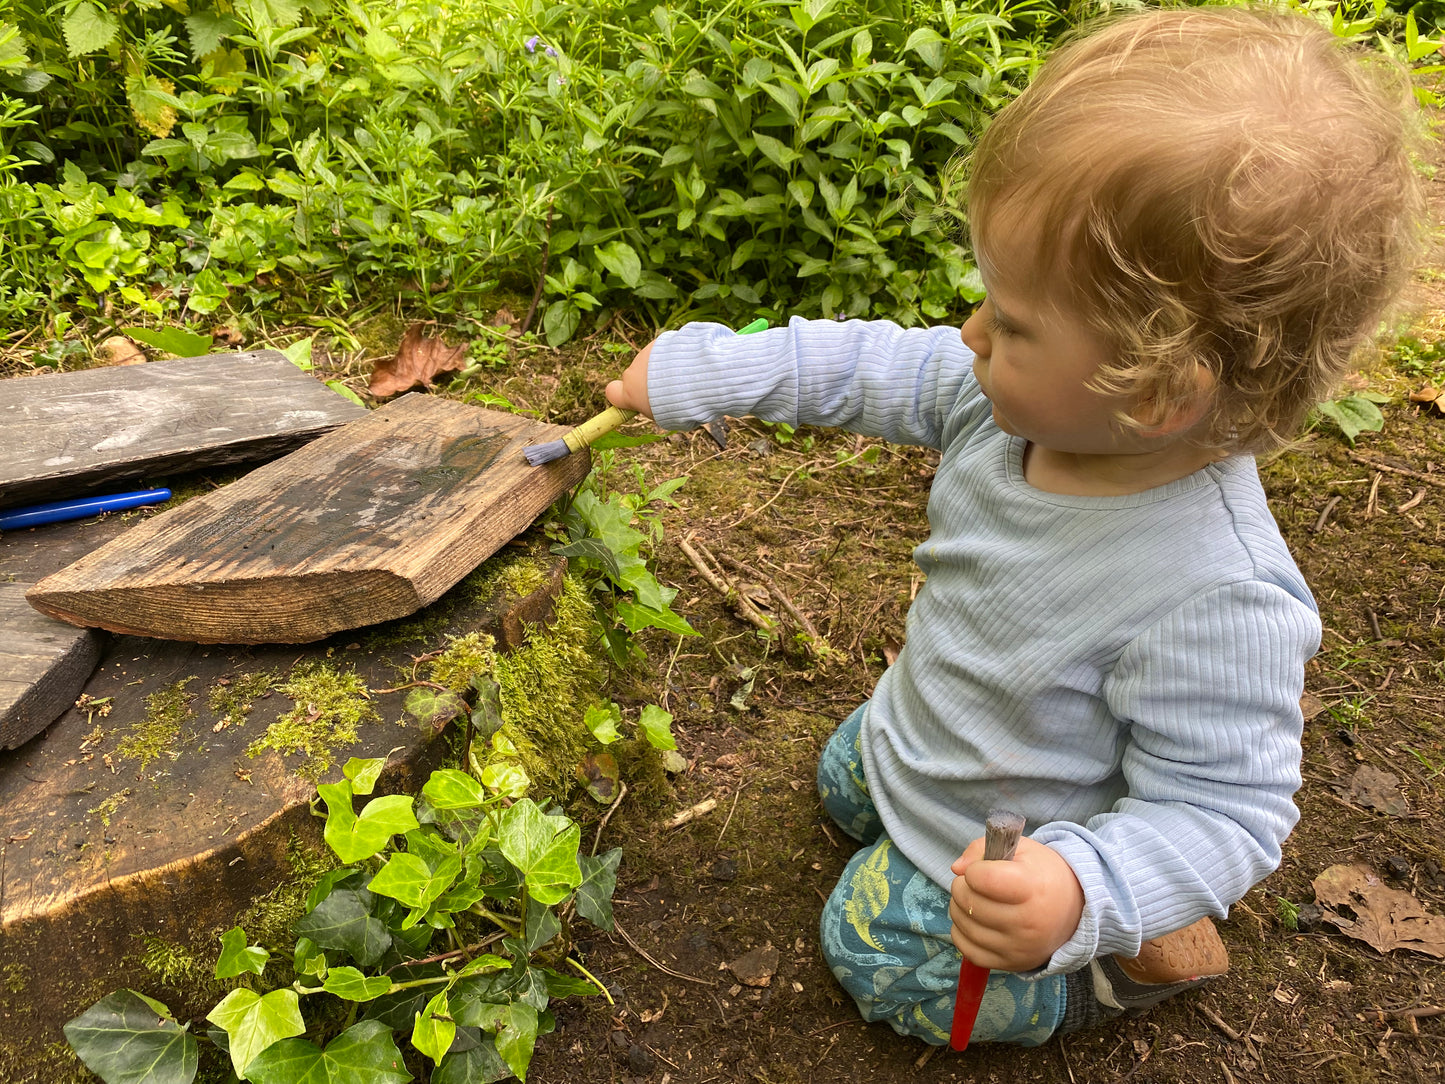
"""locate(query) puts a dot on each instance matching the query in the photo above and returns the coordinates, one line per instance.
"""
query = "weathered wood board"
(67, 434)
(43, 665)
(113, 833)
(366, 524)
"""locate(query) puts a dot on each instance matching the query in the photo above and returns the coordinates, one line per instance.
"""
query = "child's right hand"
(630, 391)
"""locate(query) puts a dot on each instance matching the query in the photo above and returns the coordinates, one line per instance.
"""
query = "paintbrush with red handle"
(1001, 834)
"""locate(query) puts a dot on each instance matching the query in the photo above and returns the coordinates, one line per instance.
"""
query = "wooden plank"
(44, 663)
(369, 523)
(112, 831)
(66, 434)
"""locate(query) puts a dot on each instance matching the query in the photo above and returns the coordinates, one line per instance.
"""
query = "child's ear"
(1169, 420)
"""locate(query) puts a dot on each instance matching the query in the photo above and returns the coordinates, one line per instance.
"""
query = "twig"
(679, 819)
(729, 818)
(1372, 505)
(927, 1056)
(1412, 502)
(731, 594)
(1325, 515)
(1420, 1012)
(1215, 1019)
(413, 685)
(791, 475)
(621, 794)
(453, 954)
(617, 928)
(782, 597)
(541, 277)
(1430, 478)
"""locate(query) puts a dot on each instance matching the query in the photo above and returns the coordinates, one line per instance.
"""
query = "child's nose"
(975, 334)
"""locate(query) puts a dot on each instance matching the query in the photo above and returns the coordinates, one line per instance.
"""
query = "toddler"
(1185, 225)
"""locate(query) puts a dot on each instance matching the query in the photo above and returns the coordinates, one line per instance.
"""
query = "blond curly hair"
(1228, 187)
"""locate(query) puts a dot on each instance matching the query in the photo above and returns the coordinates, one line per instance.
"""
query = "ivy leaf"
(434, 1031)
(89, 28)
(449, 788)
(237, 957)
(352, 985)
(517, 1036)
(363, 772)
(599, 882)
(543, 848)
(599, 773)
(409, 879)
(542, 924)
(433, 707)
(595, 549)
(329, 880)
(362, 1054)
(638, 617)
(355, 838)
(128, 1038)
(487, 715)
(657, 726)
(473, 1059)
(252, 1022)
(602, 720)
(343, 921)
(559, 985)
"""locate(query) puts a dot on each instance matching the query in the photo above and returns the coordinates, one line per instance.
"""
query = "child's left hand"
(1012, 916)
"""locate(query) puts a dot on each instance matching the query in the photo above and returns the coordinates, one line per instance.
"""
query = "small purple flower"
(531, 43)
(561, 80)
(550, 51)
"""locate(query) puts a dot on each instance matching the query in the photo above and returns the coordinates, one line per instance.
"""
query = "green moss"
(178, 967)
(547, 685)
(331, 704)
(167, 710)
(463, 659)
(16, 978)
(231, 703)
(107, 808)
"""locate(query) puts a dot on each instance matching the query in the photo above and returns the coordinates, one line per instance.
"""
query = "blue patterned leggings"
(885, 929)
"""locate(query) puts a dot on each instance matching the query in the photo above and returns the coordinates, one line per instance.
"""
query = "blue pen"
(58, 511)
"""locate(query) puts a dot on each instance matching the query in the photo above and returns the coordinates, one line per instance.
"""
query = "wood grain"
(369, 523)
(43, 665)
(67, 434)
(100, 849)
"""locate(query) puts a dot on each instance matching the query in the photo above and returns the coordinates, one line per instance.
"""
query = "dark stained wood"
(366, 524)
(43, 665)
(99, 852)
(67, 434)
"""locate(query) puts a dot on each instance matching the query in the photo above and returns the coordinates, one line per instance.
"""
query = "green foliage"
(460, 859)
(736, 159)
(1354, 414)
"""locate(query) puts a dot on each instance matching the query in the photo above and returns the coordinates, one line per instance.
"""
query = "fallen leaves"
(418, 360)
(118, 350)
(1362, 907)
(1371, 788)
(1430, 396)
(757, 966)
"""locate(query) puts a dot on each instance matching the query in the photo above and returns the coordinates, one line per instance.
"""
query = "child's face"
(1034, 358)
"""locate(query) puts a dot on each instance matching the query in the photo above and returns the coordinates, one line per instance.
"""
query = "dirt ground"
(833, 531)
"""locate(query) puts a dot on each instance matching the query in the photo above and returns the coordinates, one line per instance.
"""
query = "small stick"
(702, 808)
(1325, 515)
(1001, 832)
(779, 594)
(1215, 1019)
(745, 609)
(1412, 502)
(654, 962)
(1372, 505)
(541, 276)
(1430, 478)
(597, 840)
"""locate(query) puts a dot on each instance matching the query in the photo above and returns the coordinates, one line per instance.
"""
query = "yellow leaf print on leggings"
(870, 894)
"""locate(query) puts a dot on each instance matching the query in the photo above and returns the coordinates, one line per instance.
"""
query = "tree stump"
(143, 813)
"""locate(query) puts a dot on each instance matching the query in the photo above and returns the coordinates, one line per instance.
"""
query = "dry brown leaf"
(757, 967)
(228, 336)
(118, 350)
(1384, 918)
(1375, 789)
(1310, 705)
(1430, 396)
(418, 360)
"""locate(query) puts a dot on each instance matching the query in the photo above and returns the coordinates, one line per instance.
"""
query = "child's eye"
(998, 327)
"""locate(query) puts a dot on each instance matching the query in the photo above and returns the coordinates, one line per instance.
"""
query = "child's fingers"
(1008, 883)
(971, 854)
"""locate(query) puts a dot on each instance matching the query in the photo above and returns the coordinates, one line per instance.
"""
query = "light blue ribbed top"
(1123, 671)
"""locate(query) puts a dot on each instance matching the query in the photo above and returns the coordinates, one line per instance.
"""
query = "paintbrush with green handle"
(582, 436)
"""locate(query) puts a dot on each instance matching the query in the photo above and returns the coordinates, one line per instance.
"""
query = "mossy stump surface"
(172, 797)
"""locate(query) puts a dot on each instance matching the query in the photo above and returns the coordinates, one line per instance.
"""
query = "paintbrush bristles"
(578, 438)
